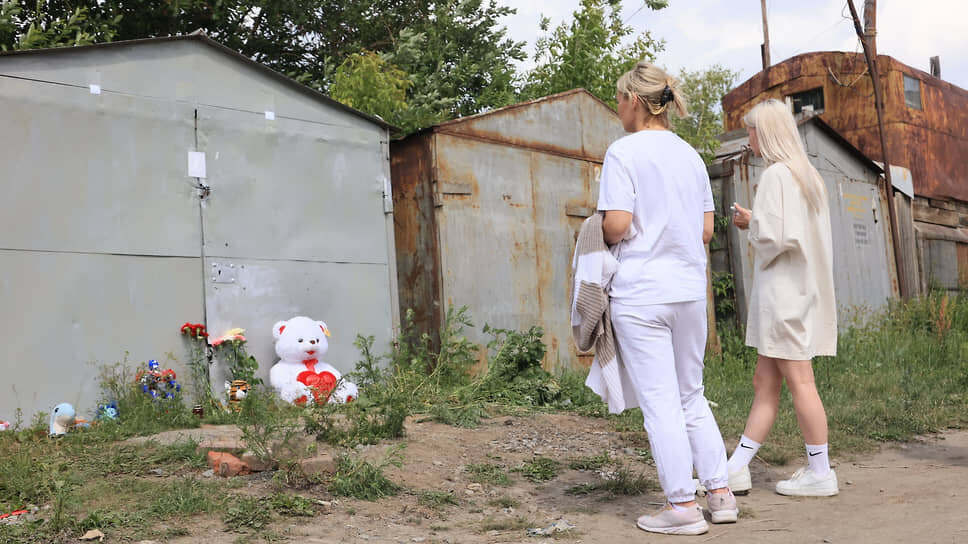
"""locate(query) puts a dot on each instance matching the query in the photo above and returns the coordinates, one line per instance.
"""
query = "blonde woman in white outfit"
(654, 181)
(792, 313)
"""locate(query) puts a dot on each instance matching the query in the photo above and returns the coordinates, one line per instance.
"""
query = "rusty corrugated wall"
(932, 142)
(487, 209)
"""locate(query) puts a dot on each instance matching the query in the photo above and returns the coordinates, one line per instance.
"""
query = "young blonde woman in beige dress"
(792, 313)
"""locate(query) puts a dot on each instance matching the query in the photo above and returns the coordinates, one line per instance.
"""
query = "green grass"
(362, 480)
(593, 462)
(247, 514)
(485, 473)
(540, 469)
(897, 375)
(436, 499)
(623, 481)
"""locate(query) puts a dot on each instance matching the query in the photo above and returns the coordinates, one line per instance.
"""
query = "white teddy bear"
(299, 376)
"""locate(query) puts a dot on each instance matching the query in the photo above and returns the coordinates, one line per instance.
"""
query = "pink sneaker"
(722, 507)
(670, 521)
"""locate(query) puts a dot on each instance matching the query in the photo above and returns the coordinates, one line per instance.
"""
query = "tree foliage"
(460, 61)
(589, 51)
(53, 23)
(412, 62)
(370, 84)
(704, 89)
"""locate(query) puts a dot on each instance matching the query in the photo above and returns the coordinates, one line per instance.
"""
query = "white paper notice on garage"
(196, 164)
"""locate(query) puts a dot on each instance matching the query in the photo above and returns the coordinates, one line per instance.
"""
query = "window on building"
(811, 100)
(912, 92)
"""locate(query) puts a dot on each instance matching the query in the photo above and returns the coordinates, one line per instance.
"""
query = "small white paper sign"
(196, 164)
(95, 88)
(271, 115)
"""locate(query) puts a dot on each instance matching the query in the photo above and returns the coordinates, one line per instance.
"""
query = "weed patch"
(436, 499)
(361, 480)
(622, 481)
(540, 469)
(593, 462)
(247, 513)
(290, 505)
(504, 502)
(486, 473)
(515, 524)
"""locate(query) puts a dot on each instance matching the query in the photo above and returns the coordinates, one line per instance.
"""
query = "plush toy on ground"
(158, 383)
(108, 411)
(300, 376)
(237, 390)
(61, 419)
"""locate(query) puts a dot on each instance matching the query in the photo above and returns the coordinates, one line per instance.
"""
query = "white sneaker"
(670, 521)
(740, 481)
(806, 483)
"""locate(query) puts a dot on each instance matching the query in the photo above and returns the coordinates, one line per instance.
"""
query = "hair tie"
(666, 96)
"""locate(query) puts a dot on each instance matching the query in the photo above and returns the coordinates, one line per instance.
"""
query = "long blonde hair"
(647, 83)
(779, 141)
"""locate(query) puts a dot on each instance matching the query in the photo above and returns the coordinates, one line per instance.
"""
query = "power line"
(630, 17)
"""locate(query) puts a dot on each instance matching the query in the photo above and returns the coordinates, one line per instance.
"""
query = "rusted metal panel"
(864, 273)
(931, 142)
(415, 231)
(508, 192)
(573, 124)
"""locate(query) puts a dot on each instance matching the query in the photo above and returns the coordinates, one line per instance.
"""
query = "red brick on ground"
(226, 464)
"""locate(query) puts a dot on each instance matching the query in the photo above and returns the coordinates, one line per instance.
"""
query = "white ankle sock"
(818, 459)
(743, 454)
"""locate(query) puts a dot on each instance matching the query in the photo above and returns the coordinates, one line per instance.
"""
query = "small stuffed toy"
(108, 411)
(158, 383)
(61, 419)
(237, 390)
(299, 376)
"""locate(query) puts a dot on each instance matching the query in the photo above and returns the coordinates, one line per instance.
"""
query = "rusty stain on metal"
(931, 142)
(415, 232)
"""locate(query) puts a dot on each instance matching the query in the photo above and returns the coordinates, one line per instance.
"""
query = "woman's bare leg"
(767, 381)
(806, 400)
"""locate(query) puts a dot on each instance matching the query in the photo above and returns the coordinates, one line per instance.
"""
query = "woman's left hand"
(741, 217)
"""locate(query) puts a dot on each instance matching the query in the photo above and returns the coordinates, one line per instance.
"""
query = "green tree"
(455, 54)
(704, 90)
(589, 51)
(460, 61)
(370, 84)
(52, 23)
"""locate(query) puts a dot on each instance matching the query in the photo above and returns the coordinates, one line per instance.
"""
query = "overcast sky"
(699, 33)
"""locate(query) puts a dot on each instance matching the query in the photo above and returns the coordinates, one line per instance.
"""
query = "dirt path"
(910, 493)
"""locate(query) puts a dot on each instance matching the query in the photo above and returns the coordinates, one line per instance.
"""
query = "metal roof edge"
(839, 138)
(202, 37)
(526, 103)
(893, 62)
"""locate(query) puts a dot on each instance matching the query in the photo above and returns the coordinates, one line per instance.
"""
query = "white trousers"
(662, 348)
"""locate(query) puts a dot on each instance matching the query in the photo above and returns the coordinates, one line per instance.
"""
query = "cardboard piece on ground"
(93, 534)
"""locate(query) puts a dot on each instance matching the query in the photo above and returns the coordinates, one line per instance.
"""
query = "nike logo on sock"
(811, 454)
(745, 446)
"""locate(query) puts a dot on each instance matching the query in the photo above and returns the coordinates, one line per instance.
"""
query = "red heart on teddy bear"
(322, 383)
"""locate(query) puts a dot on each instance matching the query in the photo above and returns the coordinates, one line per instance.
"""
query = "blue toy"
(61, 419)
(108, 411)
(158, 383)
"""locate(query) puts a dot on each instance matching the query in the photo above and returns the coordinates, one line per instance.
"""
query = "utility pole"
(765, 48)
(870, 25)
(867, 37)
